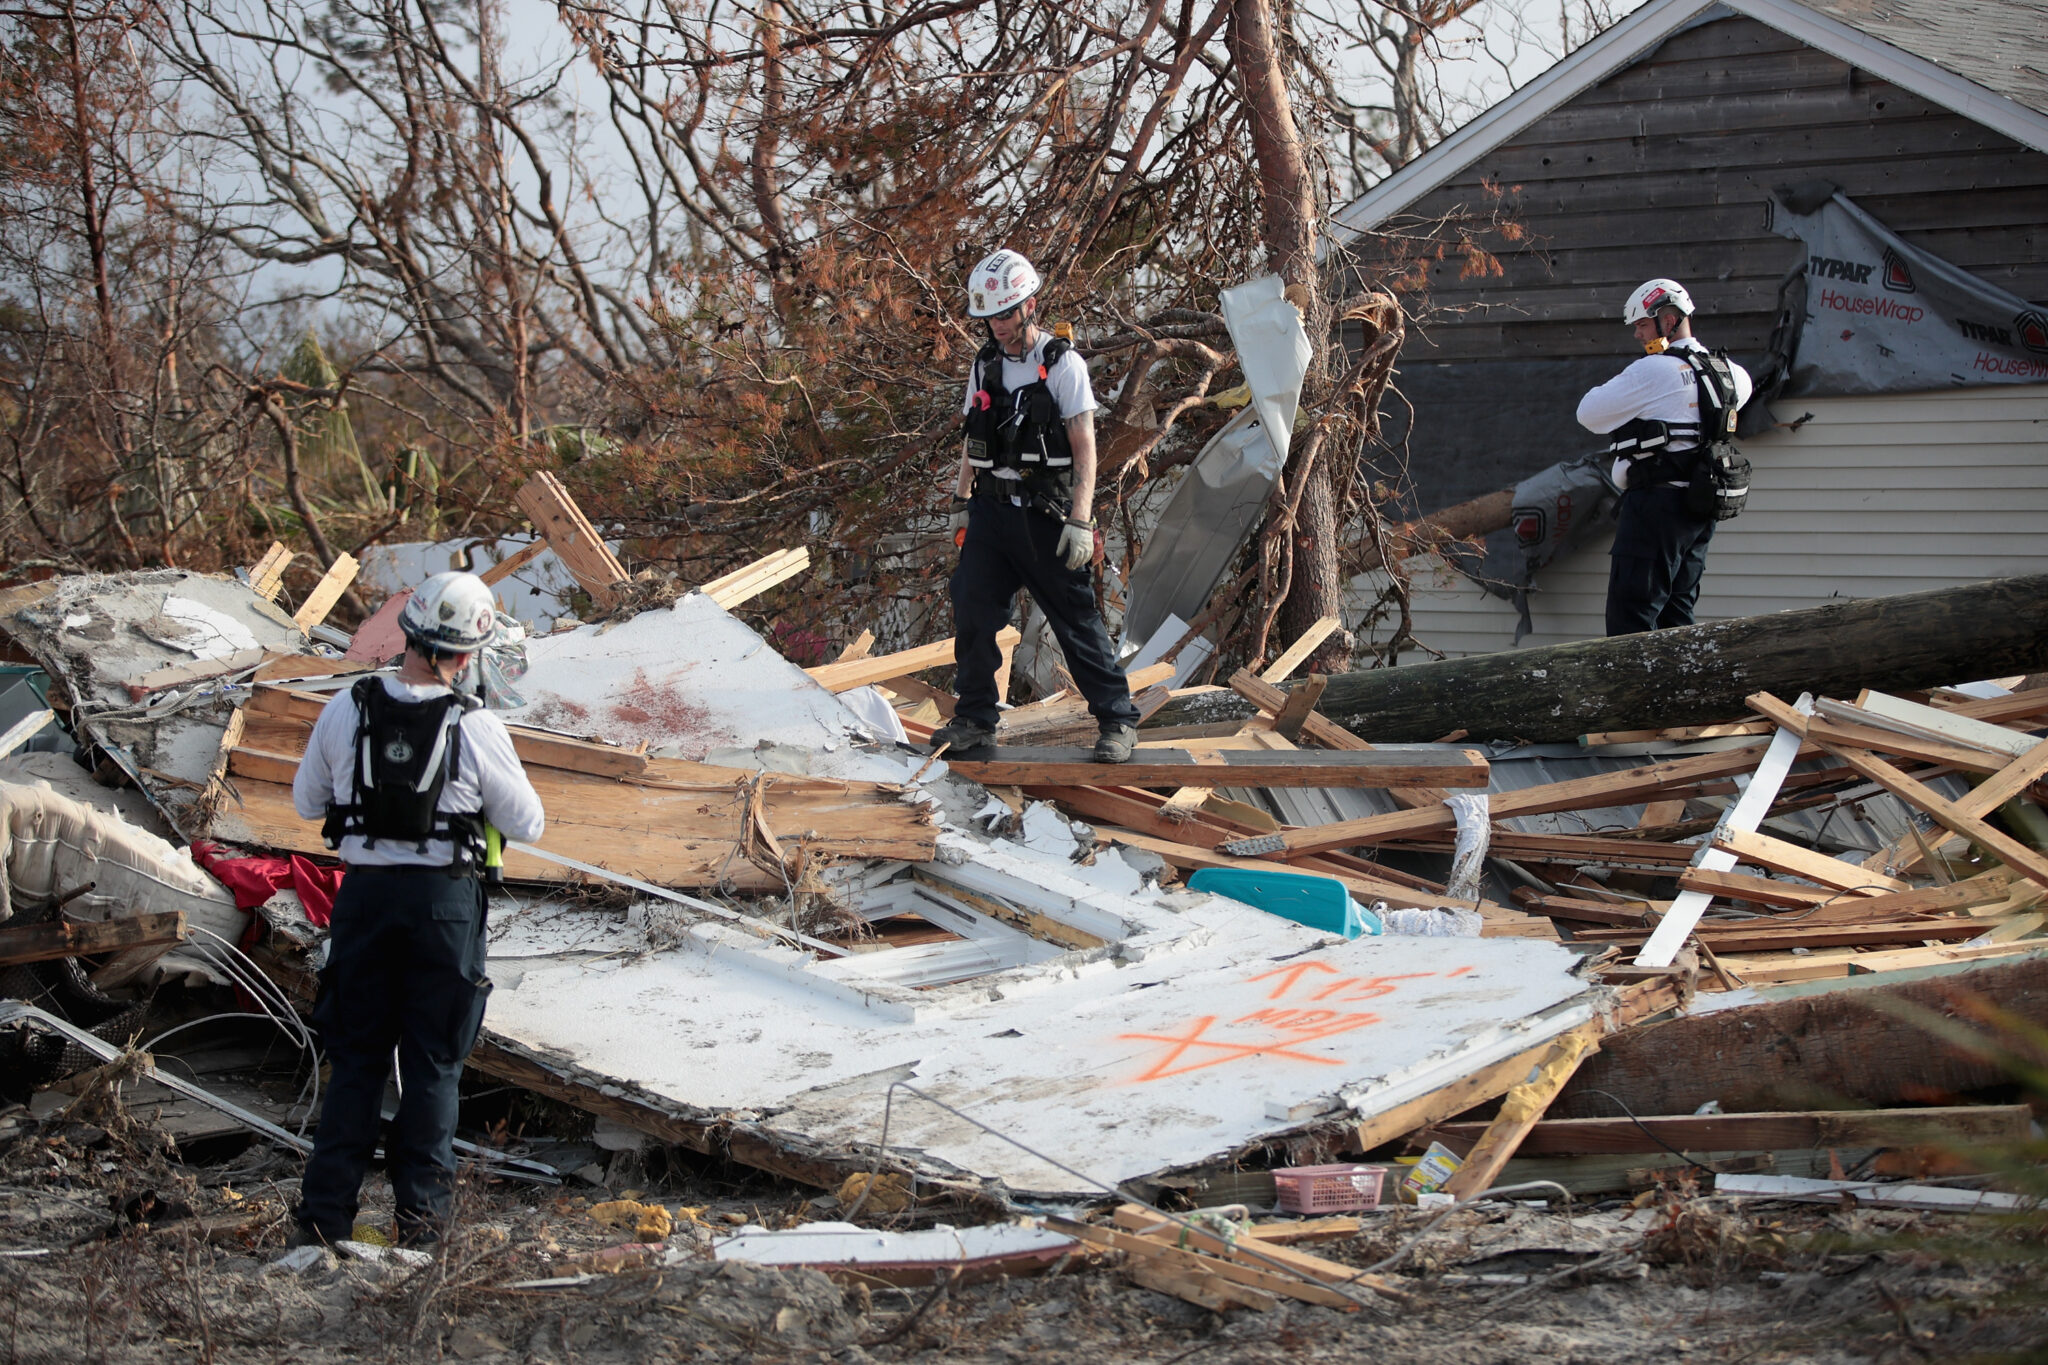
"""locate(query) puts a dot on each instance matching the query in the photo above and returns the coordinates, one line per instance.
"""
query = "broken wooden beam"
(326, 592)
(1230, 768)
(561, 523)
(1560, 692)
(52, 939)
(756, 578)
(266, 576)
(1521, 1108)
(879, 668)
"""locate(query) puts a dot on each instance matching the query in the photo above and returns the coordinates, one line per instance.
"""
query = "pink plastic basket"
(1329, 1189)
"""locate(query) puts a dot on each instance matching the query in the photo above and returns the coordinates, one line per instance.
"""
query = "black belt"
(418, 869)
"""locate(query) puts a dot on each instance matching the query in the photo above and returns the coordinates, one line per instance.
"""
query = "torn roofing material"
(1196, 1028)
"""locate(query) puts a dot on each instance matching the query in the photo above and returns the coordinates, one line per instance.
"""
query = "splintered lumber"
(1202, 1288)
(880, 668)
(536, 747)
(1778, 1131)
(1759, 936)
(1843, 1049)
(1900, 958)
(1237, 768)
(1188, 858)
(1877, 709)
(560, 522)
(1579, 793)
(1135, 1218)
(24, 730)
(1520, 1109)
(858, 649)
(675, 824)
(51, 939)
(1301, 704)
(326, 592)
(266, 576)
(1189, 1262)
(1489, 1082)
(1987, 796)
(1746, 814)
(756, 578)
(1625, 682)
(1676, 734)
(1292, 657)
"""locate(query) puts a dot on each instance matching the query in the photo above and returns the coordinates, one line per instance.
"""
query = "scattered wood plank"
(1320, 729)
(1521, 1108)
(1137, 1219)
(561, 523)
(1291, 658)
(1301, 703)
(1637, 1003)
(1777, 1130)
(2008, 850)
(52, 939)
(1202, 1288)
(1271, 1282)
(1756, 936)
(1902, 959)
(858, 649)
(1780, 856)
(1746, 814)
(1871, 1194)
(1174, 768)
(1677, 734)
(756, 578)
(512, 564)
(844, 677)
(1879, 709)
(326, 592)
(1579, 793)
(540, 748)
(266, 577)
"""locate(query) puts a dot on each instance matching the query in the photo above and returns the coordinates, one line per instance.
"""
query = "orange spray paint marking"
(1290, 975)
(1182, 1044)
(1369, 988)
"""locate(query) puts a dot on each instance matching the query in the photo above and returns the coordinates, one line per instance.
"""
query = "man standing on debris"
(1023, 496)
(407, 773)
(1653, 410)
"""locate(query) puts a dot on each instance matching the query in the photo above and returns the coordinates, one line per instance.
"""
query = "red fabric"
(256, 878)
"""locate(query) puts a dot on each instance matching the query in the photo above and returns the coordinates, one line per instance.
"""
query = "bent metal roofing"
(1981, 58)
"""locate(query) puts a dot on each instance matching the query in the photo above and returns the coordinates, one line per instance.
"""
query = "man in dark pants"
(1022, 496)
(1660, 547)
(406, 774)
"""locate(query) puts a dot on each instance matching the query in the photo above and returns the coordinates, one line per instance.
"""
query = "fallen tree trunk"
(1694, 675)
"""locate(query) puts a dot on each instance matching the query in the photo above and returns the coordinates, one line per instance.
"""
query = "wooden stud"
(1778, 1130)
(1192, 1262)
(267, 576)
(570, 535)
(1202, 1288)
(1778, 855)
(1520, 1109)
(858, 649)
(512, 564)
(1679, 734)
(1291, 658)
(326, 592)
(1141, 1221)
(756, 578)
(1170, 768)
(1300, 702)
(844, 677)
(2007, 849)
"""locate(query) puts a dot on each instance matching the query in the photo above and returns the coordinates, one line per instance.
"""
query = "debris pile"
(766, 923)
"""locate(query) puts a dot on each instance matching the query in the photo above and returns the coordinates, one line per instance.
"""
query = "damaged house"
(1851, 193)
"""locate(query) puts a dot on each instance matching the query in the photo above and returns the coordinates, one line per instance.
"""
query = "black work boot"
(966, 738)
(1115, 743)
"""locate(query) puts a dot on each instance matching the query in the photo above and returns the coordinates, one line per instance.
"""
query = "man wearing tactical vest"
(406, 772)
(1672, 414)
(1023, 497)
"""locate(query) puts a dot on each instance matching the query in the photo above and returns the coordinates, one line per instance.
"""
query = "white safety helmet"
(450, 613)
(1656, 294)
(999, 284)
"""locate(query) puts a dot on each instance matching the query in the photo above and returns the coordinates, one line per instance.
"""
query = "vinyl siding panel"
(1871, 496)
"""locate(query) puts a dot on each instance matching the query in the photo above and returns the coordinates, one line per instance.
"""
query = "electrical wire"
(1648, 1132)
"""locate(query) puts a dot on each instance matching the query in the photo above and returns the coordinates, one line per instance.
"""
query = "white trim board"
(1640, 33)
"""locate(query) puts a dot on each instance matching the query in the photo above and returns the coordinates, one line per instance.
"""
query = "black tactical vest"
(1021, 430)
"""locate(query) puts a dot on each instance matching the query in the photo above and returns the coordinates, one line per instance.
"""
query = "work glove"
(956, 525)
(1077, 544)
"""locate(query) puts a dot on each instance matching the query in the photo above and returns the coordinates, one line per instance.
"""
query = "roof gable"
(1865, 36)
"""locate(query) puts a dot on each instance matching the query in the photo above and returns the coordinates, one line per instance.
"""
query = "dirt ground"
(111, 1250)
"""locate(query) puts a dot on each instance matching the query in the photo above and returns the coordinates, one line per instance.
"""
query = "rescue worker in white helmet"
(1654, 410)
(405, 771)
(1024, 494)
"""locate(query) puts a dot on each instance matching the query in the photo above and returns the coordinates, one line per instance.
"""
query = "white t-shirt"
(1067, 381)
(1659, 387)
(487, 775)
